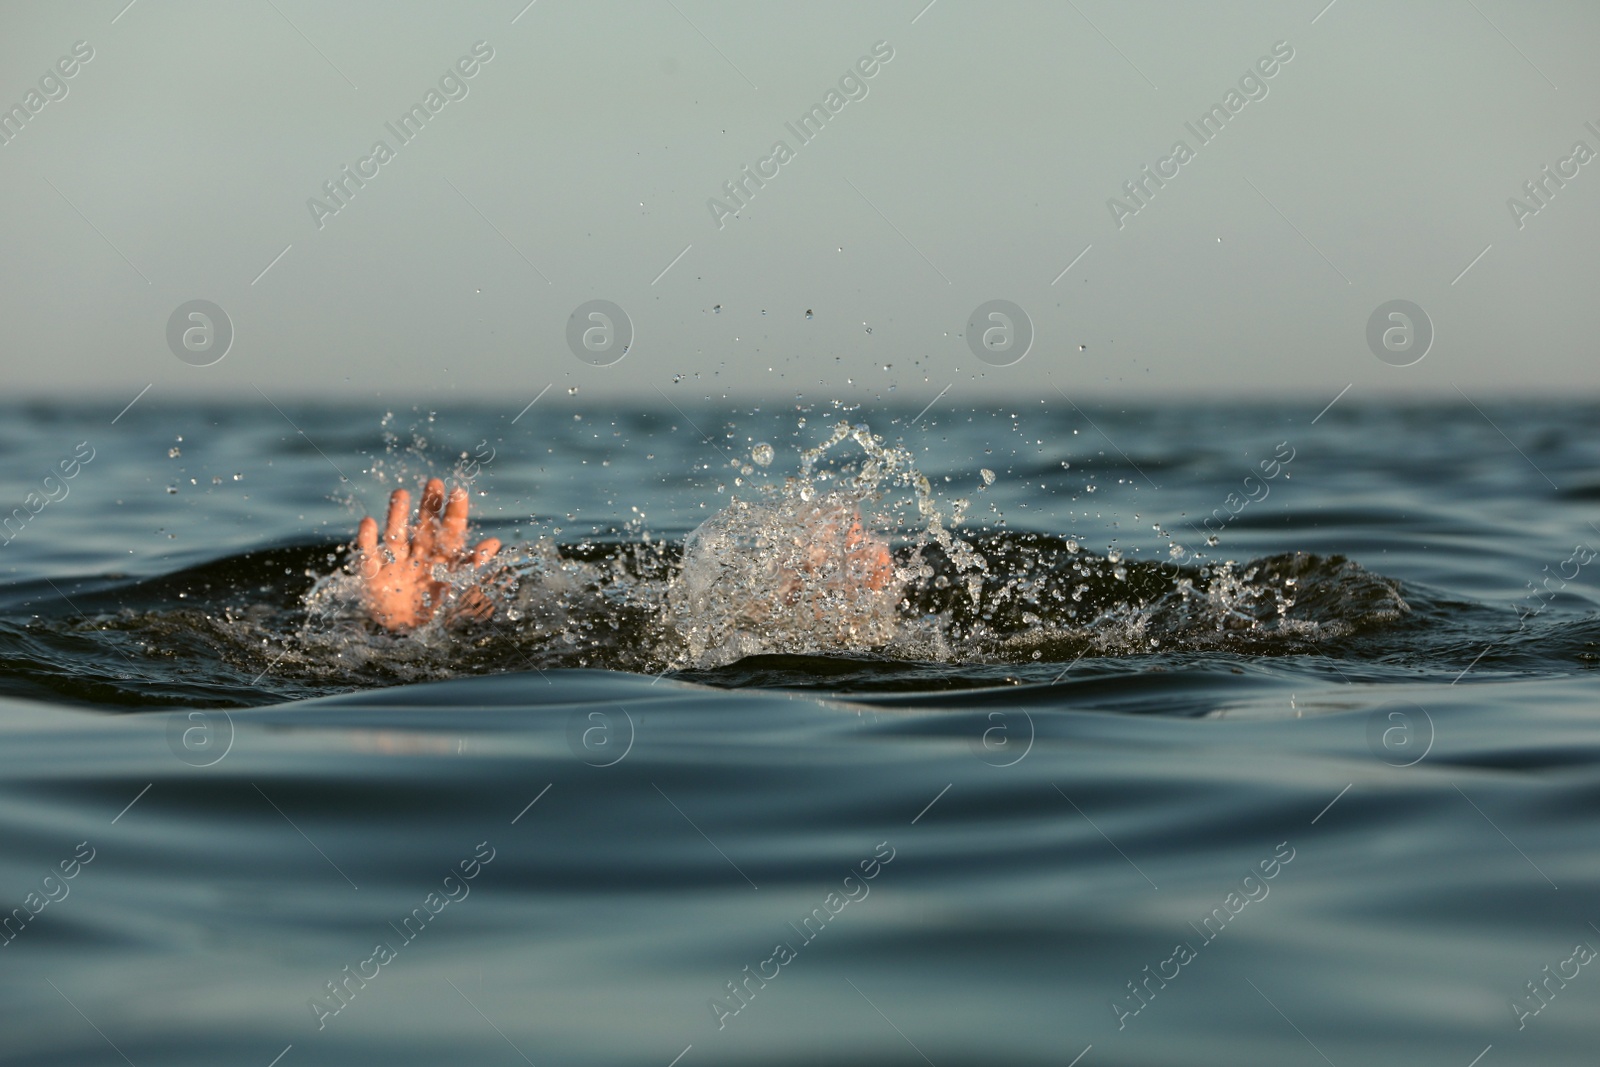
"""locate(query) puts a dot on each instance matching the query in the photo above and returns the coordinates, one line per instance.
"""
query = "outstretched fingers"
(367, 547)
(395, 534)
(485, 551)
(399, 588)
(422, 543)
(453, 531)
(477, 601)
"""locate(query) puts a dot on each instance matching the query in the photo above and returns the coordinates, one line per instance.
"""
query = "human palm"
(865, 556)
(402, 585)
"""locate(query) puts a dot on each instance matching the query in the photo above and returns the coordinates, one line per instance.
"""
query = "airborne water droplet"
(762, 454)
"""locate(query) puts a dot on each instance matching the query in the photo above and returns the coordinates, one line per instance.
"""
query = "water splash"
(805, 568)
(845, 552)
(855, 555)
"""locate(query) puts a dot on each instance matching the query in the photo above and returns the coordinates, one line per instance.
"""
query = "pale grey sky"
(978, 163)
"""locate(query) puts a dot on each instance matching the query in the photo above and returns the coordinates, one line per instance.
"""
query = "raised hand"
(400, 587)
(870, 561)
(851, 556)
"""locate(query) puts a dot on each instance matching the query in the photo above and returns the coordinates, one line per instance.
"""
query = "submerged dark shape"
(205, 635)
(1039, 584)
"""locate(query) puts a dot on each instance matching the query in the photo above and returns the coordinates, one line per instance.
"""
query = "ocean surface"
(1212, 733)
